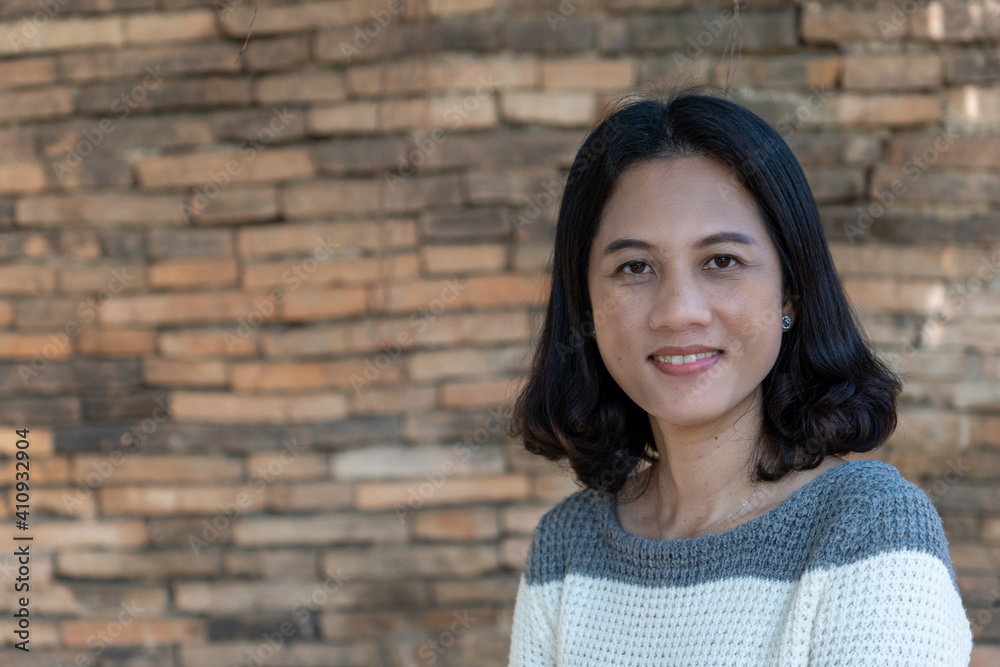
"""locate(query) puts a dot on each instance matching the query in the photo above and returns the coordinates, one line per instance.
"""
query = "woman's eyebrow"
(710, 240)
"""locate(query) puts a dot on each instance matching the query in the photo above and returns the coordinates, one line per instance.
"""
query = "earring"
(786, 322)
(593, 333)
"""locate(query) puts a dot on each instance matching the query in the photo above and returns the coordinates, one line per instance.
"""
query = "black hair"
(827, 394)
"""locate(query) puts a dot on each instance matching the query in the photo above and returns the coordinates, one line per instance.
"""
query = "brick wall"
(262, 310)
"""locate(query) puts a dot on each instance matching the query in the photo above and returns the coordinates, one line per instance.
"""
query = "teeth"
(687, 359)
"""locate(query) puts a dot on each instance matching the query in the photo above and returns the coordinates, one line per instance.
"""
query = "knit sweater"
(851, 569)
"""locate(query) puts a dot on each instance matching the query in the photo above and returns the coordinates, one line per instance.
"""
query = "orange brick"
(322, 304)
(206, 343)
(27, 346)
(107, 533)
(35, 104)
(139, 632)
(42, 471)
(169, 373)
(452, 259)
(116, 343)
(60, 33)
(209, 170)
(6, 313)
(461, 525)
(132, 469)
(40, 439)
(288, 88)
(310, 497)
(26, 279)
(223, 408)
(303, 17)
(290, 376)
(27, 71)
(479, 394)
(888, 110)
(192, 273)
(105, 209)
(175, 501)
(16, 178)
(316, 239)
(152, 27)
(416, 494)
(334, 528)
(587, 74)
(203, 307)
(332, 270)
(571, 109)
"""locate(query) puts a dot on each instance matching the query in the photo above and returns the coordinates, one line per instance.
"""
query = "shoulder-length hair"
(827, 393)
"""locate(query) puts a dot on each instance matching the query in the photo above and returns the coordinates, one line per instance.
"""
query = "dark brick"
(241, 125)
(6, 211)
(521, 148)
(96, 170)
(135, 132)
(693, 33)
(40, 411)
(54, 313)
(251, 627)
(17, 142)
(173, 532)
(972, 66)
(538, 35)
(76, 376)
(131, 64)
(832, 148)
(187, 243)
(914, 226)
(173, 438)
(354, 156)
(270, 55)
(336, 435)
(170, 94)
(124, 244)
(17, 243)
(465, 223)
(116, 408)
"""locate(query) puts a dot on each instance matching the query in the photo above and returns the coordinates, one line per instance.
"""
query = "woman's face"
(658, 279)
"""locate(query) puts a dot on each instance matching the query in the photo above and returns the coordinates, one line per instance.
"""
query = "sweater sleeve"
(536, 609)
(888, 594)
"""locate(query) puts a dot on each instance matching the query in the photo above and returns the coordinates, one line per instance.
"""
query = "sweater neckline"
(641, 549)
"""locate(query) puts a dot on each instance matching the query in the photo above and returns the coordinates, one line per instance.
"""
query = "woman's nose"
(679, 304)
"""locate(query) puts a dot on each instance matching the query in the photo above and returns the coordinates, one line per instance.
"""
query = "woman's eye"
(728, 261)
(633, 264)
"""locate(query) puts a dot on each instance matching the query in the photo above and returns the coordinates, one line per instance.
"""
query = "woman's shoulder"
(872, 509)
(571, 519)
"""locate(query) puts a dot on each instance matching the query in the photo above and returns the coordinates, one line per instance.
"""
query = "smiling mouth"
(681, 360)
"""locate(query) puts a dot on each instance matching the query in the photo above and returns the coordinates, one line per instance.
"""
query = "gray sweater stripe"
(847, 514)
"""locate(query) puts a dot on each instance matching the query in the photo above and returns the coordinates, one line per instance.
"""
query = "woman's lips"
(693, 368)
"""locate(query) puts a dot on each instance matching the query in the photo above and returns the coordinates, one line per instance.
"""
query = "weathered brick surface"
(261, 308)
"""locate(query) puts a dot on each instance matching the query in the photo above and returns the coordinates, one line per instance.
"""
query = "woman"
(720, 349)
